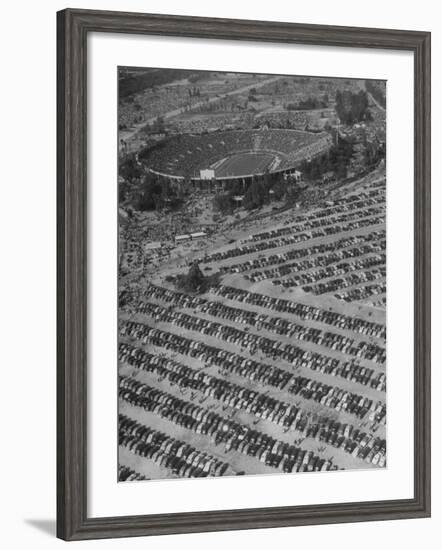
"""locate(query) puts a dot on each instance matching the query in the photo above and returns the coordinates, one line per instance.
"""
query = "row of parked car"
(263, 262)
(229, 394)
(253, 343)
(331, 264)
(205, 353)
(338, 399)
(335, 266)
(222, 431)
(180, 458)
(277, 325)
(359, 444)
(340, 283)
(127, 474)
(238, 437)
(370, 208)
(251, 401)
(245, 340)
(362, 293)
(304, 312)
(344, 204)
(293, 239)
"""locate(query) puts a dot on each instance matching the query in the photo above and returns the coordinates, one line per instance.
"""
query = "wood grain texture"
(72, 29)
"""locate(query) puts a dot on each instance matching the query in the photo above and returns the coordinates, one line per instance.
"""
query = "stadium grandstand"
(233, 154)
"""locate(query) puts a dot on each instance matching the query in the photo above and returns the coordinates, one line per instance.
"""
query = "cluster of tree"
(158, 125)
(352, 107)
(129, 169)
(194, 281)
(308, 104)
(373, 153)
(376, 91)
(223, 203)
(256, 194)
(335, 160)
(124, 298)
(194, 92)
(123, 189)
(156, 194)
(148, 78)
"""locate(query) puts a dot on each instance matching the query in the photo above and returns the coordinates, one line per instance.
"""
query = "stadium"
(234, 154)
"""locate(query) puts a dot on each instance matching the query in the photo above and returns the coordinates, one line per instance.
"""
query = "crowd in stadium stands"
(277, 325)
(127, 474)
(283, 257)
(252, 401)
(304, 312)
(362, 293)
(170, 453)
(333, 270)
(185, 155)
(238, 437)
(274, 349)
(334, 285)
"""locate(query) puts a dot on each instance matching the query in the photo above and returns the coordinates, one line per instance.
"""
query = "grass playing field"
(244, 163)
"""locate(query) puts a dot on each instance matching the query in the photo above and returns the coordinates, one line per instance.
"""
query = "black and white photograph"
(252, 274)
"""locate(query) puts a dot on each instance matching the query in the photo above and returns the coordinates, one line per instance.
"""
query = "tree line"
(308, 104)
(352, 107)
(336, 160)
(256, 193)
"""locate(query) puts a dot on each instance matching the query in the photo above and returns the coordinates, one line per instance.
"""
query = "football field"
(243, 164)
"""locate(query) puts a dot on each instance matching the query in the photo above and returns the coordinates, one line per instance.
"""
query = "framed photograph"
(243, 274)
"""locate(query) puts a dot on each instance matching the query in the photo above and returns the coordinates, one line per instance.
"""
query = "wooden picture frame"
(73, 27)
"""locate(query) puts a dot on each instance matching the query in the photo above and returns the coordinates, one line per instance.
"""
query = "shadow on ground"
(46, 526)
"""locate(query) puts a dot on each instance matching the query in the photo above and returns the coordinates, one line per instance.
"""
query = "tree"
(194, 281)
(279, 189)
(129, 169)
(122, 191)
(156, 193)
(222, 202)
(293, 193)
(150, 193)
(352, 107)
(255, 195)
